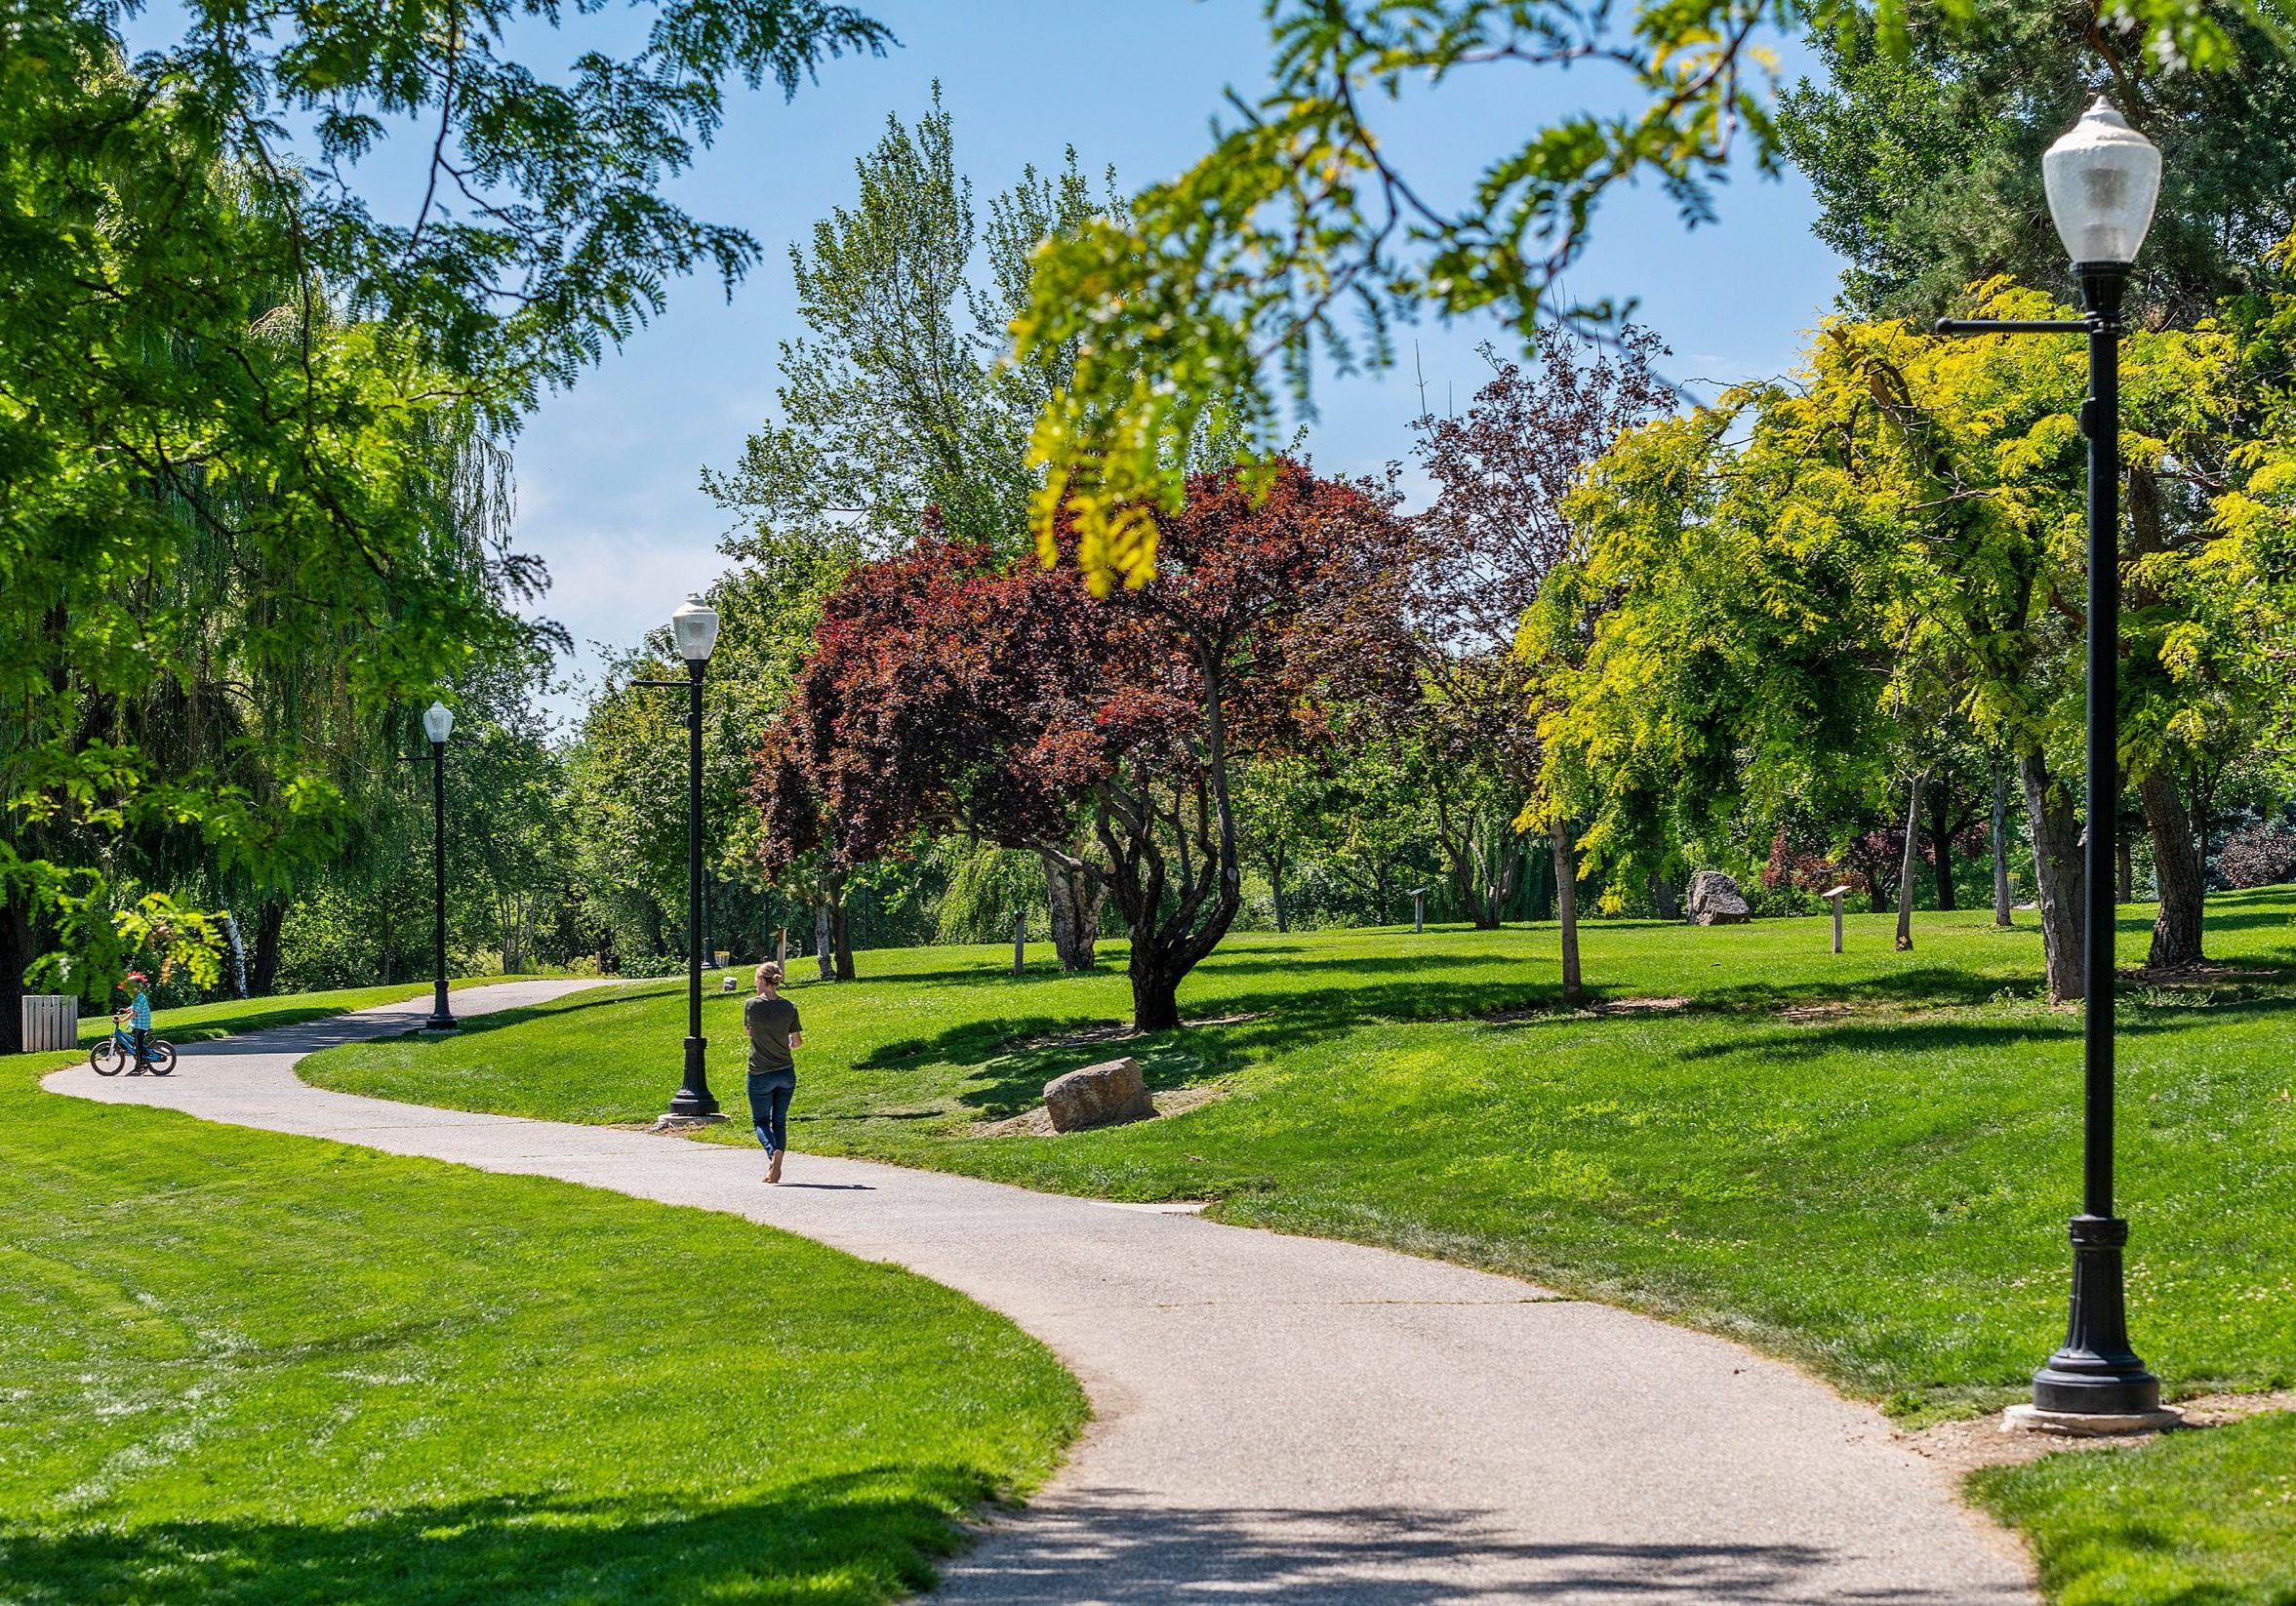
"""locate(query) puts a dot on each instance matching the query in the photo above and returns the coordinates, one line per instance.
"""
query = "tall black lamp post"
(438, 723)
(2102, 178)
(694, 630)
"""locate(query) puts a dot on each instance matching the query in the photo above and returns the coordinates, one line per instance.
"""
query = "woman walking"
(772, 1023)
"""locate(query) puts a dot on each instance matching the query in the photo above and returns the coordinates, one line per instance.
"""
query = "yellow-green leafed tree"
(1774, 597)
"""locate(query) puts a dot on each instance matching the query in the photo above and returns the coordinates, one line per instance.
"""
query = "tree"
(1264, 609)
(1899, 529)
(1501, 473)
(895, 414)
(239, 399)
(627, 767)
(951, 692)
(896, 402)
(1253, 258)
(1927, 161)
(1281, 803)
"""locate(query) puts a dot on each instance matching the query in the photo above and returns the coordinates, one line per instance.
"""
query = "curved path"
(1278, 1418)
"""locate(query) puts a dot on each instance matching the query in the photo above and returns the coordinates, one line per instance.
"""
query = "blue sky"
(607, 471)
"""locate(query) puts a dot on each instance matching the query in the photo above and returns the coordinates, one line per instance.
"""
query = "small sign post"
(1835, 897)
(1418, 910)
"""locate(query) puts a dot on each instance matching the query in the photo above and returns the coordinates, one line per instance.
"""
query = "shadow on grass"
(856, 1537)
(1910, 1039)
(1009, 1060)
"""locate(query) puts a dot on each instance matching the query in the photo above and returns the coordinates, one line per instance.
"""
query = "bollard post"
(1835, 897)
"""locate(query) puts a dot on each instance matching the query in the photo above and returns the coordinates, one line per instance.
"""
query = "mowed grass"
(249, 1369)
(2195, 1519)
(1863, 1163)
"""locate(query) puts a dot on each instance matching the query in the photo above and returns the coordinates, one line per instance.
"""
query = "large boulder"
(1715, 900)
(1099, 1094)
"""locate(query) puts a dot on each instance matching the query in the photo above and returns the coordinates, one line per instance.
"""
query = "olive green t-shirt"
(770, 1021)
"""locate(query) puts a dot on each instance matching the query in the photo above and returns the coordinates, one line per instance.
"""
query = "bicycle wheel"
(107, 1060)
(163, 1058)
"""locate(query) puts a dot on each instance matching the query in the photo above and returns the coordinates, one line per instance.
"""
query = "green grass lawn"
(242, 1367)
(2196, 1519)
(1863, 1162)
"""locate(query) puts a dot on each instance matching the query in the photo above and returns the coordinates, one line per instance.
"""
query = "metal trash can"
(51, 1022)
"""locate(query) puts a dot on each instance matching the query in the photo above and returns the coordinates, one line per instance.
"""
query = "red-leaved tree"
(948, 694)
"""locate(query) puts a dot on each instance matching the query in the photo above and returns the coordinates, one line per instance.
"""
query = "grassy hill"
(240, 1369)
(1863, 1163)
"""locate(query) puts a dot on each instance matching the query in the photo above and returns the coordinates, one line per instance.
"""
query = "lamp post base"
(2096, 1374)
(693, 1101)
(440, 1022)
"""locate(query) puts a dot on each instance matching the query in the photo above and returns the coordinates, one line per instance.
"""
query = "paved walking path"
(1278, 1418)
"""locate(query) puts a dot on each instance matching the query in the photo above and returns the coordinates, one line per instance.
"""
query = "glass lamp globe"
(2102, 178)
(438, 722)
(694, 627)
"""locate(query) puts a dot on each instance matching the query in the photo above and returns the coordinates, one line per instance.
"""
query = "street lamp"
(438, 723)
(693, 629)
(2102, 178)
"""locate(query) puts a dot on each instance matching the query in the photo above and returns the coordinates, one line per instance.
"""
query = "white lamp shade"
(2103, 178)
(694, 626)
(438, 722)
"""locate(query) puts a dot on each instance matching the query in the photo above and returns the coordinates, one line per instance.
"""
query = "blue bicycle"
(112, 1057)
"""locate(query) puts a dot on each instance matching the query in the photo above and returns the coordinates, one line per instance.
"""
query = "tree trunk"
(1491, 907)
(2000, 847)
(825, 957)
(1021, 942)
(15, 957)
(1073, 897)
(1482, 893)
(840, 937)
(2202, 822)
(1663, 901)
(1905, 873)
(2057, 874)
(2177, 929)
(1156, 992)
(1941, 841)
(1566, 902)
(270, 919)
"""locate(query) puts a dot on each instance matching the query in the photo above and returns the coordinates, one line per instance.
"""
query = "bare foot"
(773, 1172)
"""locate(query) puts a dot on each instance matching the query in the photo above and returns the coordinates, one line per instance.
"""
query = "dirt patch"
(2201, 974)
(1963, 1446)
(1804, 1013)
(1609, 1006)
(1037, 1122)
(1641, 1006)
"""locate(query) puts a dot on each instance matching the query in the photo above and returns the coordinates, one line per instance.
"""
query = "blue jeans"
(769, 1107)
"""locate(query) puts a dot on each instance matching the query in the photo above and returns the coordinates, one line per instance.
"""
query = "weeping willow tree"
(237, 528)
(989, 889)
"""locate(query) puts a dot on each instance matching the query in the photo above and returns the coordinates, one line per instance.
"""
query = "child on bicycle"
(138, 1010)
